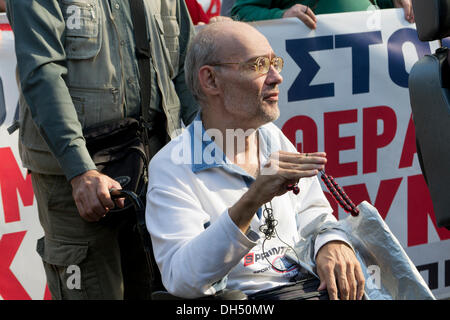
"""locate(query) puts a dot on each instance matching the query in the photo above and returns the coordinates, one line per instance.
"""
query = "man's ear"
(208, 80)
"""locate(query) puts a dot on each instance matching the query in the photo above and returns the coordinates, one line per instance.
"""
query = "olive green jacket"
(77, 69)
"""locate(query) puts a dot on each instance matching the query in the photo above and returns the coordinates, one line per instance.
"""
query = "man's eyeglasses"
(261, 64)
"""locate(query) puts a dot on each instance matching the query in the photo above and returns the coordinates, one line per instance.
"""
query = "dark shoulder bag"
(118, 149)
(123, 149)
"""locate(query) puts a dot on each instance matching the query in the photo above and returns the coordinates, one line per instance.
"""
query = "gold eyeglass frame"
(276, 62)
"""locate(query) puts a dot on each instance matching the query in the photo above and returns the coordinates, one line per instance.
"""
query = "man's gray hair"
(203, 50)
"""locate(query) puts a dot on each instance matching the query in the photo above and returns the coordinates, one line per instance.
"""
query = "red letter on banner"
(420, 207)
(334, 205)
(47, 293)
(334, 143)
(372, 141)
(11, 181)
(385, 195)
(308, 129)
(10, 287)
(409, 146)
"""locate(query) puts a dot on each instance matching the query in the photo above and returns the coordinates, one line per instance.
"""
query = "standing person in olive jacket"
(306, 10)
(77, 69)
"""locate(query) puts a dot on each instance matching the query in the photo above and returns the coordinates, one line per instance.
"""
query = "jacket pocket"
(83, 34)
(170, 30)
(62, 253)
(64, 268)
(95, 106)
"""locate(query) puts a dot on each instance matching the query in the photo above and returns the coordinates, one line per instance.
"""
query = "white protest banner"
(21, 271)
(344, 92)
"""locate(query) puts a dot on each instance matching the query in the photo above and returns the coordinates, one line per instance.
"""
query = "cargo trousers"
(88, 260)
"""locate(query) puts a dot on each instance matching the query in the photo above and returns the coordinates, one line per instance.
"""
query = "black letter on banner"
(432, 269)
(397, 69)
(359, 42)
(299, 50)
(2, 104)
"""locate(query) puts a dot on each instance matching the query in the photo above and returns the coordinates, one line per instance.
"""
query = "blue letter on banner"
(359, 42)
(299, 50)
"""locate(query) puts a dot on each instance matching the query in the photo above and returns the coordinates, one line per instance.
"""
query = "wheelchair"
(302, 289)
(158, 290)
(429, 85)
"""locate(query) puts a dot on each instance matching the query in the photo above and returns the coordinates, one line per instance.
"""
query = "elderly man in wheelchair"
(220, 210)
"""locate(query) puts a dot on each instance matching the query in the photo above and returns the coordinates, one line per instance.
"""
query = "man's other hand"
(340, 271)
(304, 13)
(90, 191)
(407, 8)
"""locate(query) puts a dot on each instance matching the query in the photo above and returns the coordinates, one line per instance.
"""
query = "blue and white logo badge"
(123, 180)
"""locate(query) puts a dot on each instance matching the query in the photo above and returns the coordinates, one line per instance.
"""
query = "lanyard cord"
(269, 227)
(270, 231)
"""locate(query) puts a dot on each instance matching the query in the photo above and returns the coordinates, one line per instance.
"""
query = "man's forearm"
(242, 212)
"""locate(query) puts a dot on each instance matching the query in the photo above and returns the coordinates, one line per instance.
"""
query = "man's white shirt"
(198, 248)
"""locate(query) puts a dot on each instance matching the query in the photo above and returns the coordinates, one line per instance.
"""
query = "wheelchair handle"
(133, 197)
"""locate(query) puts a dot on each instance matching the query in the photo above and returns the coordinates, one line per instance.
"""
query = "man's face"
(249, 97)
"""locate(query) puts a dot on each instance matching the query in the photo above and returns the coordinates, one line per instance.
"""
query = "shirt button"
(122, 42)
(117, 6)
